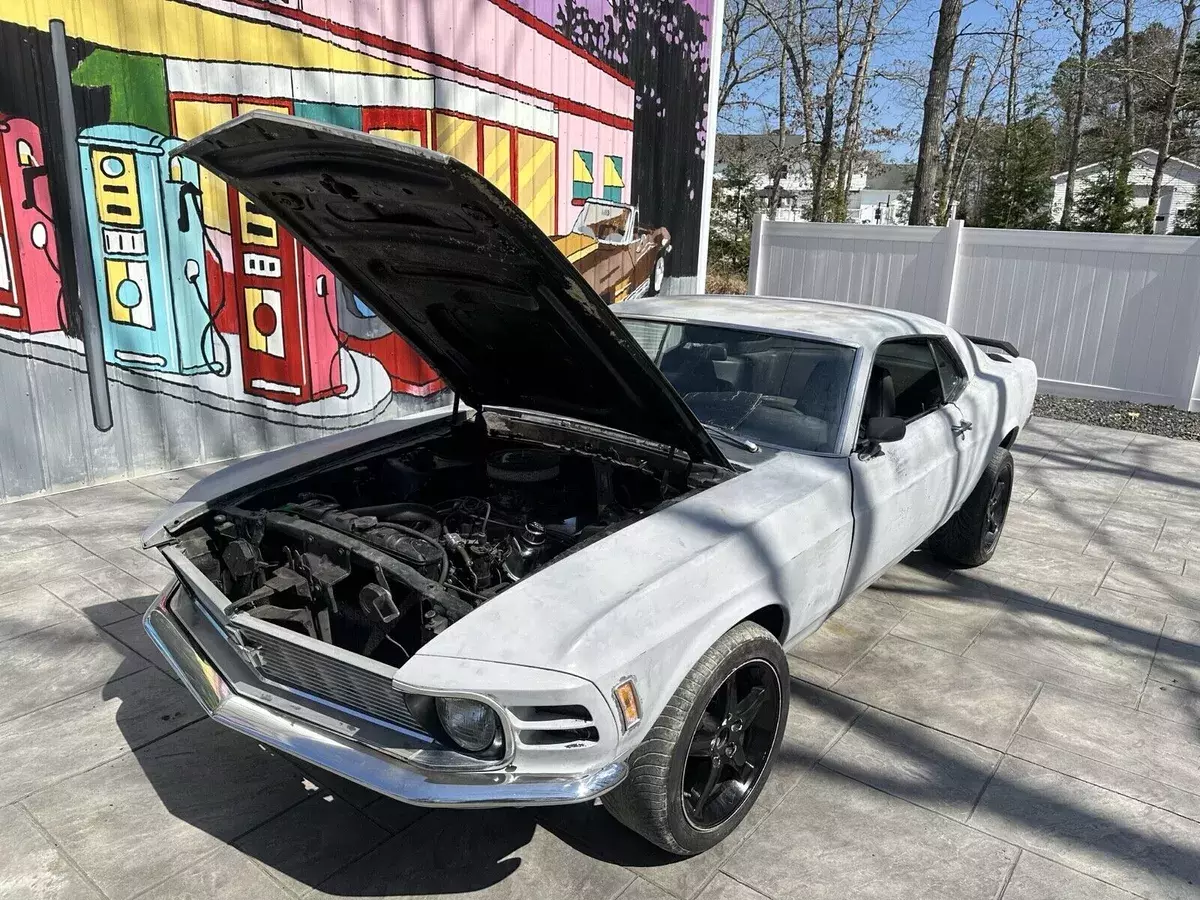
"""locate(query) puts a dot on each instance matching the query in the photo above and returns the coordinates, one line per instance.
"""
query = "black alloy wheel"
(732, 741)
(997, 510)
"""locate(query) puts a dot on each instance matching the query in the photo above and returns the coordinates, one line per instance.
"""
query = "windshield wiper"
(737, 440)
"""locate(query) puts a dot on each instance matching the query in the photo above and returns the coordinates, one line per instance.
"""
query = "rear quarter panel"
(997, 401)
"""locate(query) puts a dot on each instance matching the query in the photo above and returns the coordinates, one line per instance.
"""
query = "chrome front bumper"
(350, 759)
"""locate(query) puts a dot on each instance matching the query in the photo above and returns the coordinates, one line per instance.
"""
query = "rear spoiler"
(994, 342)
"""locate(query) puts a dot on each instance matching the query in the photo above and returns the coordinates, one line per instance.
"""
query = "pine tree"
(1106, 201)
(1017, 187)
(734, 206)
(1187, 220)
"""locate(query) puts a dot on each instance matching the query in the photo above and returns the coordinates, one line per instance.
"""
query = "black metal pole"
(93, 338)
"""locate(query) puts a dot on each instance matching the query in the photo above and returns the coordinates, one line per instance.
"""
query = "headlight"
(471, 724)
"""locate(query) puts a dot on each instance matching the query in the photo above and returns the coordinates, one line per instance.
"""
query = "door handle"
(961, 428)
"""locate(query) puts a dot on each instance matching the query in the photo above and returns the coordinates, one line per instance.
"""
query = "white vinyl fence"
(1105, 316)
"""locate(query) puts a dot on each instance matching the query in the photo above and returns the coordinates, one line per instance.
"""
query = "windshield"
(785, 391)
(602, 221)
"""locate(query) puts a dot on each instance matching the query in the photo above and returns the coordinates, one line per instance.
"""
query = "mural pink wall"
(218, 335)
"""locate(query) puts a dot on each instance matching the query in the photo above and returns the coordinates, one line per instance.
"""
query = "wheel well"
(773, 618)
(1009, 439)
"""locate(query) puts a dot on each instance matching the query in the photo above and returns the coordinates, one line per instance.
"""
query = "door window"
(953, 375)
(915, 376)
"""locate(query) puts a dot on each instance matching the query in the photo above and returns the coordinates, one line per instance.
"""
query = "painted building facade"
(151, 317)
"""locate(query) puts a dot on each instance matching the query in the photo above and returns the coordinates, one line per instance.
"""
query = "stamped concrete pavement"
(1028, 730)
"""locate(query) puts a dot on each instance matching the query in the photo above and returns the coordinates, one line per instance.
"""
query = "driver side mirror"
(879, 430)
(885, 429)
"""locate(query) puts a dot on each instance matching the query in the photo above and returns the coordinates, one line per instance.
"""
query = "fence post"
(950, 268)
(756, 246)
(1190, 400)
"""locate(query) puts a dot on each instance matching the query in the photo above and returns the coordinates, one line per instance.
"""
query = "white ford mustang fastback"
(580, 580)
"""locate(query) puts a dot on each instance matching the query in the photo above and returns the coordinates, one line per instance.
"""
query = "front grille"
(330, 679)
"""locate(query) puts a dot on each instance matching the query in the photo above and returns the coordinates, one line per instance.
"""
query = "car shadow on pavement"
(307, 827)
(311, 829)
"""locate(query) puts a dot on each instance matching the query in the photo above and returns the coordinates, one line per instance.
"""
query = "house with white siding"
(1179, 184)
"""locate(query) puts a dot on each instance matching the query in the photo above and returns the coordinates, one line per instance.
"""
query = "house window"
(614, 177)
(581, 179)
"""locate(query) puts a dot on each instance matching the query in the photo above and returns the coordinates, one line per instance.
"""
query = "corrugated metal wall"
(208, 331)
(1102, 315)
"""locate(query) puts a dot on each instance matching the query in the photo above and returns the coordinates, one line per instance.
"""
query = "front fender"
(813, 578)
(647, 601)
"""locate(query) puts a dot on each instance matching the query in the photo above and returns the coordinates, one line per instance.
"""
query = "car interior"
(909, 378)
(772, 388)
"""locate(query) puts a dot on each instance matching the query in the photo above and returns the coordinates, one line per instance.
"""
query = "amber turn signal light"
(628, 703)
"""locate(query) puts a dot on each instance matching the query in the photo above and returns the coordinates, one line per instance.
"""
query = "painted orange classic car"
(618, 257)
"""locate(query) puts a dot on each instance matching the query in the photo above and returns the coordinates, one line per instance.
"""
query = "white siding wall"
(1111, 316)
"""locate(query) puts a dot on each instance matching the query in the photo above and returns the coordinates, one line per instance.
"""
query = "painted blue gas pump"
(147, 244)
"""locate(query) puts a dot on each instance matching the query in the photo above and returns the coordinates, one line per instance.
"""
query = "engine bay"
(380, 555)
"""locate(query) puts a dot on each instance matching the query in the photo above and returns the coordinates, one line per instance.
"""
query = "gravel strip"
(1166, 421)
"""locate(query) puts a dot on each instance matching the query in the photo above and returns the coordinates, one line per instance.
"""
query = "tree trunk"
(1164, 143)
(1010, 107)
(825, 150)
(935, 106)
(857, 92)
(956, 131)
(1127, 114)
(1014, 69)
(780, 141)
(965, 156)
(1085, 34)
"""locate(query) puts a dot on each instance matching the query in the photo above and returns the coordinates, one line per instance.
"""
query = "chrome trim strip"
(355, 761)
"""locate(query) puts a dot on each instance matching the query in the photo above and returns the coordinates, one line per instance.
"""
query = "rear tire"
(972, 534)
(663, 799)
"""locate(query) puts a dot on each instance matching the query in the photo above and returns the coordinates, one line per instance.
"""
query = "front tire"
(970, 537)
(702, 765)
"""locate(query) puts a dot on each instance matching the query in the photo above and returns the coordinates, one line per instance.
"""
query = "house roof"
(893, 177)
(1148, 156)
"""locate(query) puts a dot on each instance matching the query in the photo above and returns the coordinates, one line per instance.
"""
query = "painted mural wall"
(208, 331)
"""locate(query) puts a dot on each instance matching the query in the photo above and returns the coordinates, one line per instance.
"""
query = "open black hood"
(455, 268)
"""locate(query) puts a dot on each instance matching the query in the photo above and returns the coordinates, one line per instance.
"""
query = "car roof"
(844, 323)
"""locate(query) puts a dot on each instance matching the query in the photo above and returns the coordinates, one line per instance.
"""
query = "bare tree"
(952, 142)
(1127, 113)
(972, 131)
(842, 35)
(921, 210)
(875, 23)
(1188, 11)
(1081, 24)
(1014, 86)
(779, 163)
(748, 50)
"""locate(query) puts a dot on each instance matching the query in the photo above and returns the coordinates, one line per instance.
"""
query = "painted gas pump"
(30, 287)
(365, 332)
(286, 306)
(148, 251)
(290, 349)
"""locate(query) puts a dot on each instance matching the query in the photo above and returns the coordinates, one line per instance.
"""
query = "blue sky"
(898, 105)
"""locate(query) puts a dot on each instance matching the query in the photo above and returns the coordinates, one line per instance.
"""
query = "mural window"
(582, 179)
(614, 178)
(537, 180)
(407, 125)
(458, 137)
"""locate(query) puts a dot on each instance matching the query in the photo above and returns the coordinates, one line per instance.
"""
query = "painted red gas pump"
(408, 371)
(285, 301)
(30, 286)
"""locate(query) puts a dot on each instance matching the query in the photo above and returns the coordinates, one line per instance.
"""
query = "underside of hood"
(453, 266)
